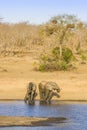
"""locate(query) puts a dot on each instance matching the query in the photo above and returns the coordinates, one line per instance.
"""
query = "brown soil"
(16, 72)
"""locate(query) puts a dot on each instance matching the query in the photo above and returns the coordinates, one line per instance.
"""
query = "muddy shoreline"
(68, 101)
(29, 121)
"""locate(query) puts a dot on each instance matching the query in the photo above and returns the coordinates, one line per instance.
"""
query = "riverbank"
(16, 72)
(28, 121)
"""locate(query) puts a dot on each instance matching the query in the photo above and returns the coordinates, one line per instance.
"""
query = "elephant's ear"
(49, 87)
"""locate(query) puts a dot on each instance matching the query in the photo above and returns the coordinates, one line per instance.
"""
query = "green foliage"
(62, 65)
(82, 54)
(67, 54)
(42, 67)
(83, 57)
(53, 61)
(56, 52)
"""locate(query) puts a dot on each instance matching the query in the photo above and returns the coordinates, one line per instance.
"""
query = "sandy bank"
(15, 73)
(28, 121)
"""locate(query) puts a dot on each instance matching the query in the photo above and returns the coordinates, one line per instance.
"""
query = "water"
(75, 114)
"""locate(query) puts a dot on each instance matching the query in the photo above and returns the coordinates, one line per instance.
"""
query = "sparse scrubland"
(57, 43)
(26, 50)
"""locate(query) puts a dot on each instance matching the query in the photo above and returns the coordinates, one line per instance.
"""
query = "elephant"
(31, 93)
(47, 90)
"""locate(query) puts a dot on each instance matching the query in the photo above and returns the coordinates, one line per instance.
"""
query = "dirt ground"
(16, 72)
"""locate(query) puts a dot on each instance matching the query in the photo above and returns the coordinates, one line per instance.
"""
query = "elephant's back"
(42, 84)
(52, 85)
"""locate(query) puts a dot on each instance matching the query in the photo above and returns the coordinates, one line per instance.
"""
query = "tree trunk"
(60, 51)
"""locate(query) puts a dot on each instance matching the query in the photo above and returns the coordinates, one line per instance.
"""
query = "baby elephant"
(47, 90)
(31, 93)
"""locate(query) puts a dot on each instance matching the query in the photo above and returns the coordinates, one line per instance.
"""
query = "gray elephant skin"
(47, 90)
(31, 93)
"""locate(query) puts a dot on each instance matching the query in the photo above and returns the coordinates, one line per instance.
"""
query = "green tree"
(65, 24)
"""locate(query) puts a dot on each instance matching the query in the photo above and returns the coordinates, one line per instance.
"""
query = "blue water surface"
(75, 114)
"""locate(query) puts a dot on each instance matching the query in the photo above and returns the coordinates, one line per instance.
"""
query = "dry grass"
(24, 37)
(18, 38)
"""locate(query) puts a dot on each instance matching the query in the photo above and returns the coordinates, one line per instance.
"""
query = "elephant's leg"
(47, 92)
(41, 93)
(29, 98)
(29, 101)
(26, 98)
(49, 97)
(42, 97)
(32, 97)
(35, 94)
